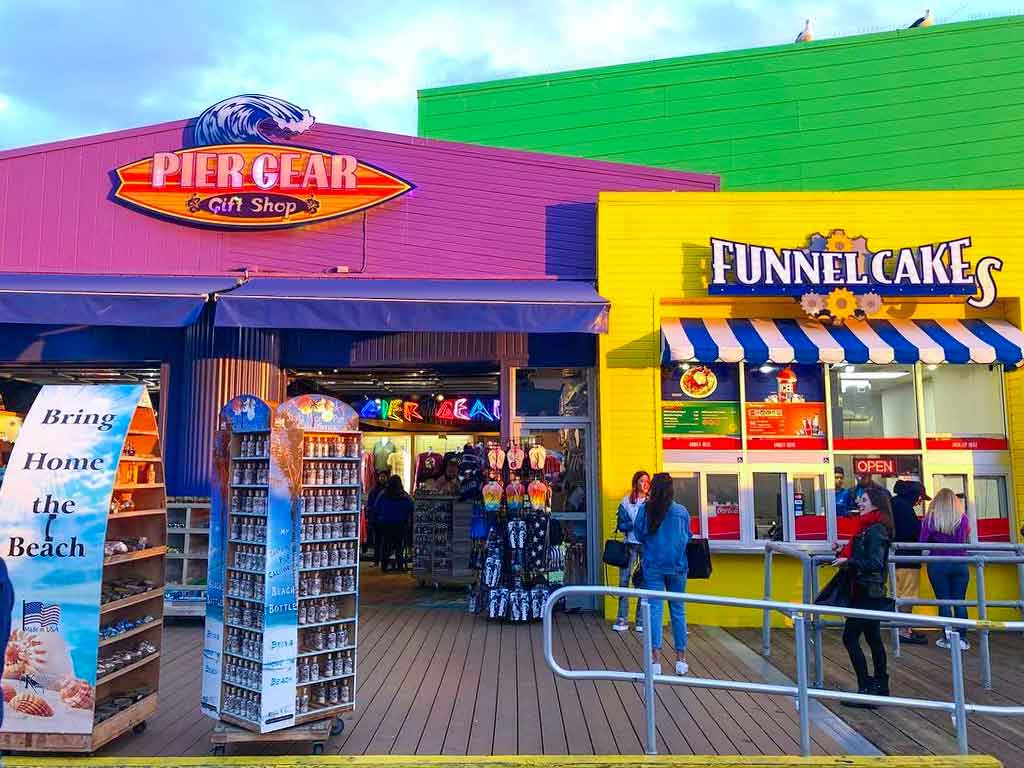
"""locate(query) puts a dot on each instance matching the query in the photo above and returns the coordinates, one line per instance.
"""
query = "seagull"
(925, 21)
(807, 35)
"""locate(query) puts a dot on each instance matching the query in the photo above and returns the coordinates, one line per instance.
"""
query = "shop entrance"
(417, 424)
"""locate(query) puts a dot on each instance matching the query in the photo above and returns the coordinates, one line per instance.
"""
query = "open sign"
(884, 467)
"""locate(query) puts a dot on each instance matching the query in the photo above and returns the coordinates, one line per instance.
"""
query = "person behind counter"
(845, 505)
(376, 540)
(394, 511)
(448, 483)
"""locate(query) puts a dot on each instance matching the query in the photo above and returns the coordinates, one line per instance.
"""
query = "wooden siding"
(475, 212)
(937, 108)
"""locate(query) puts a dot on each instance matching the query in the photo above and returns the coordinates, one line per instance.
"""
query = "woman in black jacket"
(865, 560)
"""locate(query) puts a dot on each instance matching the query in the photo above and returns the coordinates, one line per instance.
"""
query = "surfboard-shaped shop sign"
(238, 177)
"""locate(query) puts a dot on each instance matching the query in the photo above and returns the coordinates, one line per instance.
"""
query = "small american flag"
(43, 615)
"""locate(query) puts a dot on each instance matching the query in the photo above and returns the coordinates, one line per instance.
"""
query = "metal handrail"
(802, 692)
(1004, 554)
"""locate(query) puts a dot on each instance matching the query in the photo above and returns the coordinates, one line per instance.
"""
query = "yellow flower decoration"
(838, 242)
(841, 303)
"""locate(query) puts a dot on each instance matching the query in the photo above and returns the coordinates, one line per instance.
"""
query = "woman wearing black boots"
(865, 559)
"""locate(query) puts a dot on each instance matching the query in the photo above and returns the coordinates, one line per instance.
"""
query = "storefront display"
(284, 565)
(859, 359)
(83, 520)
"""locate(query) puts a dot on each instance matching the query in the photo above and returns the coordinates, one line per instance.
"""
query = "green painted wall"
(938, 108)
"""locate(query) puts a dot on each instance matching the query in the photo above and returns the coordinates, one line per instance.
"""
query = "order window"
(873, 402)
(979, 391)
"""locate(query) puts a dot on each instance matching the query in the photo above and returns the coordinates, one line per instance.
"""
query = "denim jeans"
(949, 580)
(673, 581)
(625, 574)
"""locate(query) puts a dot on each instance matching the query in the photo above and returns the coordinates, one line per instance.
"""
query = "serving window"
(964, 407)
(874, 406)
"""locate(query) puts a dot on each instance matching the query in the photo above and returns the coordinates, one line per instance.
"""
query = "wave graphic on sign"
(251, 118)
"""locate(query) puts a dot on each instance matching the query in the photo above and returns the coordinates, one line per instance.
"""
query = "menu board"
(700, 408)
(785, 407)
(53, 517)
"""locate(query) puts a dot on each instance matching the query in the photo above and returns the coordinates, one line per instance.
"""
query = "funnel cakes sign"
(237, 176)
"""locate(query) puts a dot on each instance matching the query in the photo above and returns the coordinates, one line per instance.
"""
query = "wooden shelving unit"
(188, 532)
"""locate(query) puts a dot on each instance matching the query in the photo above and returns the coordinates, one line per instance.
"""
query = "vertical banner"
(244, 414)
(54, 503)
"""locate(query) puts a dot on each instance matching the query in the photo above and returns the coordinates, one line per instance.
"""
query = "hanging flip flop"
(537, 455)
(496, 456)
(516, 454)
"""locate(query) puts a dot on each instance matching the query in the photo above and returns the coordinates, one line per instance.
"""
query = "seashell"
(77, 694)
(25, 654)
(8, 693)
(30, 704)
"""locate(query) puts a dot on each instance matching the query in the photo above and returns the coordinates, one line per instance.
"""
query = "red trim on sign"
(967, 443)
(787, 443)
(716, 443)
(877, 444)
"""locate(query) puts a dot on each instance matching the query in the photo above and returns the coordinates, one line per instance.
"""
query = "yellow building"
(768, 349)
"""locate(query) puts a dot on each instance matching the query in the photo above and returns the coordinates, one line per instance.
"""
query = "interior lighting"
(874, 375)
(766, 369)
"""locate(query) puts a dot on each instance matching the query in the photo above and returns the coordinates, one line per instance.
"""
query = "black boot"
(865, 686)
(880, 685)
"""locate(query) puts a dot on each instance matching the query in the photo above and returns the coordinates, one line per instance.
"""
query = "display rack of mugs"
(282, 601)
(83, 525)
(188, 553)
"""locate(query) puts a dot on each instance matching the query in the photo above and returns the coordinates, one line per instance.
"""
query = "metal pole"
(802, 700)
(652, 743)
(986, 656)
(766, 621)
(960, 711)
(895, 627)
(816, 623)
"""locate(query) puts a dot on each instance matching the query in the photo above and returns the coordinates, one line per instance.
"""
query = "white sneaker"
(656, 668)
(620, 626)
(965, 645)
(682, 668)
(639, 628)
(942, 642)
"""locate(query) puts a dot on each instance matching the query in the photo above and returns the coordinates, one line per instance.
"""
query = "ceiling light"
(874, 375)
(849, 369)
(766, 369)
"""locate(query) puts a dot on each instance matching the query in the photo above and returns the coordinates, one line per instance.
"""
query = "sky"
(76, 68)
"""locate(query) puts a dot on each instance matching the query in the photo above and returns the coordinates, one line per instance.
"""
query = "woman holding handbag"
(662, 527)
(865, 561)
(641, 486)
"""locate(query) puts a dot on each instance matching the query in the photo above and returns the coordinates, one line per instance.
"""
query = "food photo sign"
(700, 407)
(785, 407)
(54, 503)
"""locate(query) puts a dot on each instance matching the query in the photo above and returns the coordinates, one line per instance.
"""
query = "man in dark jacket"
(907, 495)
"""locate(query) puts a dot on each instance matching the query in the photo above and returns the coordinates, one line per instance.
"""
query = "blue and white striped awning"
(858, 341)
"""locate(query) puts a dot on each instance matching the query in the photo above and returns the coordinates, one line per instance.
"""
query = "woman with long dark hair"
(663, 530)
(394, 511)
(865, 558)
(625, 521)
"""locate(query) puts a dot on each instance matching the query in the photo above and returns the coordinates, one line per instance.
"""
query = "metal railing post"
(766, 621)
(896, 651)
(652, 742)
(816, 624)
(959, 699)
(986, 657)
(802, 699)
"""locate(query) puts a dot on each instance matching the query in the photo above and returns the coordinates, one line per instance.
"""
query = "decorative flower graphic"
(812, 303)
(312, 204)
(193, 204)
(838, 242)
(841, 303)
(869, 303)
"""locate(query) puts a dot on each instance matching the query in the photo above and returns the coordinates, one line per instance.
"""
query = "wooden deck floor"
(435, 680)
(923, 672)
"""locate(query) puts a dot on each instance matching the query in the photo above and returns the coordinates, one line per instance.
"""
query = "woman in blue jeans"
(947, 523)
(663, 528)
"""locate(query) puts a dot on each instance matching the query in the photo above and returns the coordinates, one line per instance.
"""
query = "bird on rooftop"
(925, 21)
(807, 34)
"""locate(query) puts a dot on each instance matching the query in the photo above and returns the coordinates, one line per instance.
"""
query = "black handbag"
(615, 553)
(837, 592)
(698, 559)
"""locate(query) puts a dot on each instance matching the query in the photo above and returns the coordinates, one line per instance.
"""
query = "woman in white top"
(626, 517)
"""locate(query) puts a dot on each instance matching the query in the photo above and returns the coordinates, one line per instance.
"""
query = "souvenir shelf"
(188, 554)
(282, 605)
(441, 544)
(130, 627)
